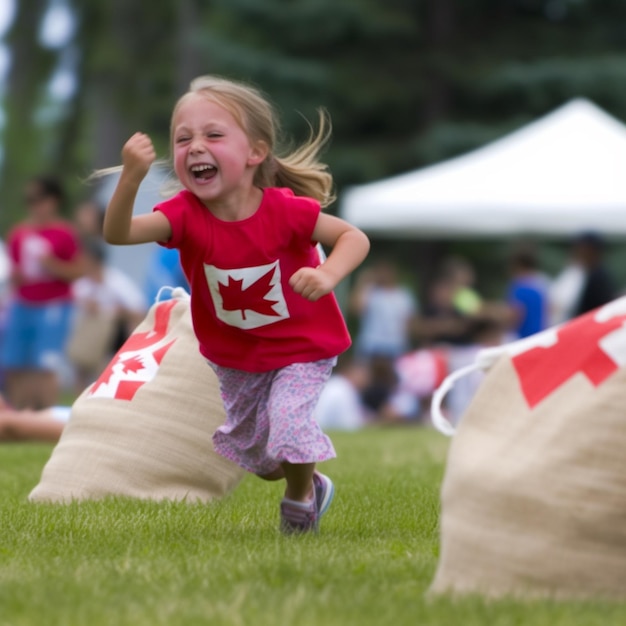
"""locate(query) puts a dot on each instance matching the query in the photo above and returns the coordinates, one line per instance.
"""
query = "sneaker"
(302, 517)
(324, 492)
(298, 517)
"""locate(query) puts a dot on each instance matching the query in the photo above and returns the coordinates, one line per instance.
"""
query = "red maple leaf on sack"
(139, 342)
(133, 364)
(541, 370)
(252, 298)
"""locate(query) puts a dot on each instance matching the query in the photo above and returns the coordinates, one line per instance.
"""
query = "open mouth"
(203, 171)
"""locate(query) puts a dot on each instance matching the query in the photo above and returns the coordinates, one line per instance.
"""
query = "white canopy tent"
(562, 174)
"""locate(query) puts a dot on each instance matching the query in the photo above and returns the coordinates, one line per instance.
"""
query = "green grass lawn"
(121, 562)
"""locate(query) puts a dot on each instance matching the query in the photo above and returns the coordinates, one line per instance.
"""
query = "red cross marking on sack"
(542, 370)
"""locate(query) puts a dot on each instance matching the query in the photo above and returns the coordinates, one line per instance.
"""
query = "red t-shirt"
(27, 244)
(245, 314)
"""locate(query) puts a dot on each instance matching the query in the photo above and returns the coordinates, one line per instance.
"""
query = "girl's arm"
(349, 248)
(120, 227)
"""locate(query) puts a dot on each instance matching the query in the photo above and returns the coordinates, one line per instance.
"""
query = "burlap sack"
(144, 428)
(534, 494)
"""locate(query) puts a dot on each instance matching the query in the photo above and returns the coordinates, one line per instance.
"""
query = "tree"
(406, 83)
(126, 71)
(30, 71)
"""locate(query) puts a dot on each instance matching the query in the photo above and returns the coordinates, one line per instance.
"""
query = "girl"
(247, 223)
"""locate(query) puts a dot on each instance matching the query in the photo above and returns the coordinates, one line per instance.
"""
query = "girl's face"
(213, 157)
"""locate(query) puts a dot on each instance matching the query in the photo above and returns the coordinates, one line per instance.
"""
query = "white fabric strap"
(440, 422)
(175, 292)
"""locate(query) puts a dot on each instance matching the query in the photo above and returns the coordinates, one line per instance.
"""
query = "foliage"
(406, 82)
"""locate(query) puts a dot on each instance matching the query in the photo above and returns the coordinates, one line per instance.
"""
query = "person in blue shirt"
(527, 294)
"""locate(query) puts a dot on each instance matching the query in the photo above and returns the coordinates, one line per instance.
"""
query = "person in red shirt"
(45, 258)
(247, 223)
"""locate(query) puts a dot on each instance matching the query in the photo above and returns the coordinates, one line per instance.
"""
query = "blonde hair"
(300, 170)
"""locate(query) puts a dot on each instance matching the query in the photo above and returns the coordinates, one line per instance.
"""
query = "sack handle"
(440, 422)
(174, 292)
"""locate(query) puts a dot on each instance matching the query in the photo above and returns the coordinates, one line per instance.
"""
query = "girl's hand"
(138, 154)
(120, 227)
(312, 283)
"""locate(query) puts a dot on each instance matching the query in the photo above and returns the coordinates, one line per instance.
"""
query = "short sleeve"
(299, 213)
(174, 211)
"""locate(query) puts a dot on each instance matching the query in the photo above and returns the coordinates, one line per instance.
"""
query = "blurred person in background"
(440, 321)
(527, 295)
(5, 267)
(585, 283)
(46, 258)
(385, 310)
(461, 276)
(419, 373)
(486, 333)
(383, 381)
(106, 300)
(450, 337)
(89, 221)
(598, 285)
(32, 425)
(5, 270)
(89, 218)
(341, 406)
